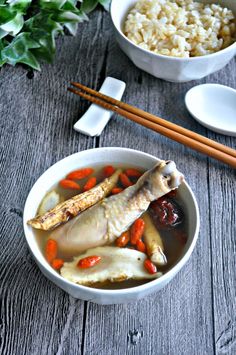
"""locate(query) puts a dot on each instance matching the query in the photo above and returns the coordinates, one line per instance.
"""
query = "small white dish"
(214, 106)
(90, 158)
(95, 119)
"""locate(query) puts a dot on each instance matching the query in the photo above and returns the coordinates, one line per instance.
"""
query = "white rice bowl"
(180, 28)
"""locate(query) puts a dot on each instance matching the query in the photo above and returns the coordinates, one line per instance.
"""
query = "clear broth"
(173, 247)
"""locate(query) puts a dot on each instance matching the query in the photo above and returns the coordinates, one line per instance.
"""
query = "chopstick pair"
(177, 133)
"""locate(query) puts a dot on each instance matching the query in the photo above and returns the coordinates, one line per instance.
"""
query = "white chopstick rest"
(93, 122)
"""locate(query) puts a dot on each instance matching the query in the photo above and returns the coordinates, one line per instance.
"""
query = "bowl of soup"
(108, 225)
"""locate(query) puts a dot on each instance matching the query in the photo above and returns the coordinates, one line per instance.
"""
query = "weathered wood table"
(196, 312)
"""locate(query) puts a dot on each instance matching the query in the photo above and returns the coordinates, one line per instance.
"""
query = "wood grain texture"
(222, 219)
(37, 119)
(195, 313)
(173, 320)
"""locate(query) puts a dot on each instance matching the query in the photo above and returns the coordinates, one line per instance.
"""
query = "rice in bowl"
(180, 28)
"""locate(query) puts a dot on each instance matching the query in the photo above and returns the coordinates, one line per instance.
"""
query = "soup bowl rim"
(43, 264)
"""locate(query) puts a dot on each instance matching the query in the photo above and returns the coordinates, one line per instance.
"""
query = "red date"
(166, 213)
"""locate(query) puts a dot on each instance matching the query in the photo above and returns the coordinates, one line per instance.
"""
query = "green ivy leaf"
(88, 5)
(43, 31)
(19, 5)
(70, 5)
(68, 16)
(51, 5)
(105, 4)
(11, 17)
(14, 26)
(6, 14)
(2, 61)
(72, 27)
(3, 33)
(18, 51)
(34, 39)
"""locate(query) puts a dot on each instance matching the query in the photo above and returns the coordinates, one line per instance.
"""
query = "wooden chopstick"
(166, 128)
(157, 120)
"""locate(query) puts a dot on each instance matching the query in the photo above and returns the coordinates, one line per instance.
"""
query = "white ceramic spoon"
(214, 106)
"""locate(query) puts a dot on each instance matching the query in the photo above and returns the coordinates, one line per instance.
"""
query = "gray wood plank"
(223, 246)
(194, 314)
(178, 319)
(220, 211)
(36, 316)
(223, 231)
(36, 130)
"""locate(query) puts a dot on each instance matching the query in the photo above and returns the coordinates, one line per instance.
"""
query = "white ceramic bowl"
(165, 67)
(90, 158)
